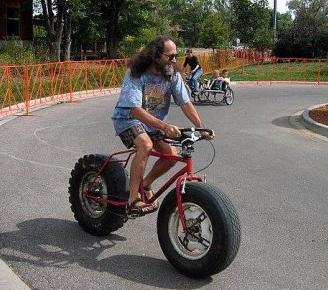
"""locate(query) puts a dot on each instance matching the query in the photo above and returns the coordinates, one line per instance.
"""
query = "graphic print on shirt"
(154, 97)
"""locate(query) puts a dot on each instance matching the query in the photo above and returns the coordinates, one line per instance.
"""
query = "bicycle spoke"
(199, 219)
(184, 242)
(206, 243)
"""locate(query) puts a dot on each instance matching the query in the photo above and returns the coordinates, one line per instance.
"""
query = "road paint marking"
(33, 162)
(35, 133)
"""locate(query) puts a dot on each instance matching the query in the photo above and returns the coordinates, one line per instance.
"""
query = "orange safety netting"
(22, 87)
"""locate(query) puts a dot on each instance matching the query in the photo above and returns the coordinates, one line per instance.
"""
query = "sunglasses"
(171, 56)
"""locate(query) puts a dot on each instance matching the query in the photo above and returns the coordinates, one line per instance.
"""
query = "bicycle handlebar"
(188, 136)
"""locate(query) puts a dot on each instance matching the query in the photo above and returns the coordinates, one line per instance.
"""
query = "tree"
(189, 16)
(249, 17)
(214, 32)
(284, 22)
(121, 18)
(52, 12)
(307, 37)
(262, 39)
(136, 39)
(309, 22)
(57, 17)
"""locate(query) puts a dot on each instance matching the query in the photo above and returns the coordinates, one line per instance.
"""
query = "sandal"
(133, 210)
(150, 195)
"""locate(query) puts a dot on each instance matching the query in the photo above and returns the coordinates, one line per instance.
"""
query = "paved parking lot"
(274, 171)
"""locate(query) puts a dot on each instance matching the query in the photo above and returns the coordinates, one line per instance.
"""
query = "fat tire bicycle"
(197, 225)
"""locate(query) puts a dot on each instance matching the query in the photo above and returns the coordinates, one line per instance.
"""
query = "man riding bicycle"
(140, 115)
(195, 70)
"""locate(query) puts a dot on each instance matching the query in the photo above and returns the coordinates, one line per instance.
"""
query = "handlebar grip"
(178, 140)
(210, 131)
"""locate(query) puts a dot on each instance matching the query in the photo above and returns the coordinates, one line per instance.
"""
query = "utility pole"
(275, 21)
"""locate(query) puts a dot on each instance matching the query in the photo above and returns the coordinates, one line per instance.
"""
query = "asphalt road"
(274, 171)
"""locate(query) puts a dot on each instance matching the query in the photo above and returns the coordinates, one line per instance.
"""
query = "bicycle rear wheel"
(229, 96)
(96, 217)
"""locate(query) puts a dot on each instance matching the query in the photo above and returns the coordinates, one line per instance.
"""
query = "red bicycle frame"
(183, 175)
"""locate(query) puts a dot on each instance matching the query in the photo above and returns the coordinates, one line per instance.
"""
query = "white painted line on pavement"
(9, 280)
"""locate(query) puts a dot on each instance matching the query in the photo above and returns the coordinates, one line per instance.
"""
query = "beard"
(166, 70)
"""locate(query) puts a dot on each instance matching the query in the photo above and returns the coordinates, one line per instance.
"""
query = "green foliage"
(148, 29)
(17, 52)
(39, 32)
(262, 39)
(284, 22)
(132, 44)
(308, 36)
(249, 17)
(86, 21)
(188, 17)
(128, 24)
(214, 32)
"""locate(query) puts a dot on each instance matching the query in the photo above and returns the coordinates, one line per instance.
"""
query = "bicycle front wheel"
(212, 238)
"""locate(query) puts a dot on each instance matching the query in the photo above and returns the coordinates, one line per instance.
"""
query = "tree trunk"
(112, 34)
(112, 42)
(54, 37)
(59, 27)
(48, 18)
(67, 35)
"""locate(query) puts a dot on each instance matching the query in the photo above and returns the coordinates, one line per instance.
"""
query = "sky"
(281, 5)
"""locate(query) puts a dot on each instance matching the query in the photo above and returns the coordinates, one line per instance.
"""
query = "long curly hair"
(140, 62)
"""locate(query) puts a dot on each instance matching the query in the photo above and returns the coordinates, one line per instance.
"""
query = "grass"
(288, 71)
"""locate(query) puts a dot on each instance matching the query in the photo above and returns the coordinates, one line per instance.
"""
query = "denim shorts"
(130, 134)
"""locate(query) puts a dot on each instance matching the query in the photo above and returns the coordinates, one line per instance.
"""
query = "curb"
(9, 280)
(6, 115)
(312, 125)
(273, 82)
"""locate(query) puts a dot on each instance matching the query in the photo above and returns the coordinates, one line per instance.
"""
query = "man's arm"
(191, 113)
(196, 68)
(144, 117)
(189, 110)
(227, 80)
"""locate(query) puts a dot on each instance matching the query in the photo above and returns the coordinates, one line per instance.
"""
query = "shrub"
(16, 52)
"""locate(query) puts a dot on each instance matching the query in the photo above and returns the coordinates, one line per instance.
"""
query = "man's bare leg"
(161, 166)
(143, 145)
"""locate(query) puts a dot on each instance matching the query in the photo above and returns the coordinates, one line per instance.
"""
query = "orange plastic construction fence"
(24, 86)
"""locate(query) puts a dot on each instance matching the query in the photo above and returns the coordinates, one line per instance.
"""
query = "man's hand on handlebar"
(175, 135)
(172, 131)
(207, 135)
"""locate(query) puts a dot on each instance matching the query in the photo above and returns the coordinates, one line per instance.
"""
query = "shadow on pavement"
(57, 243)
(283, 122)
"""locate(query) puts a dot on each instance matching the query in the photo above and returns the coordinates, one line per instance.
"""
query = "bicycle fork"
(180, 191)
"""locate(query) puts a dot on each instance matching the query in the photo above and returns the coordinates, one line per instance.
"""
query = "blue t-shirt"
(152, 93)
